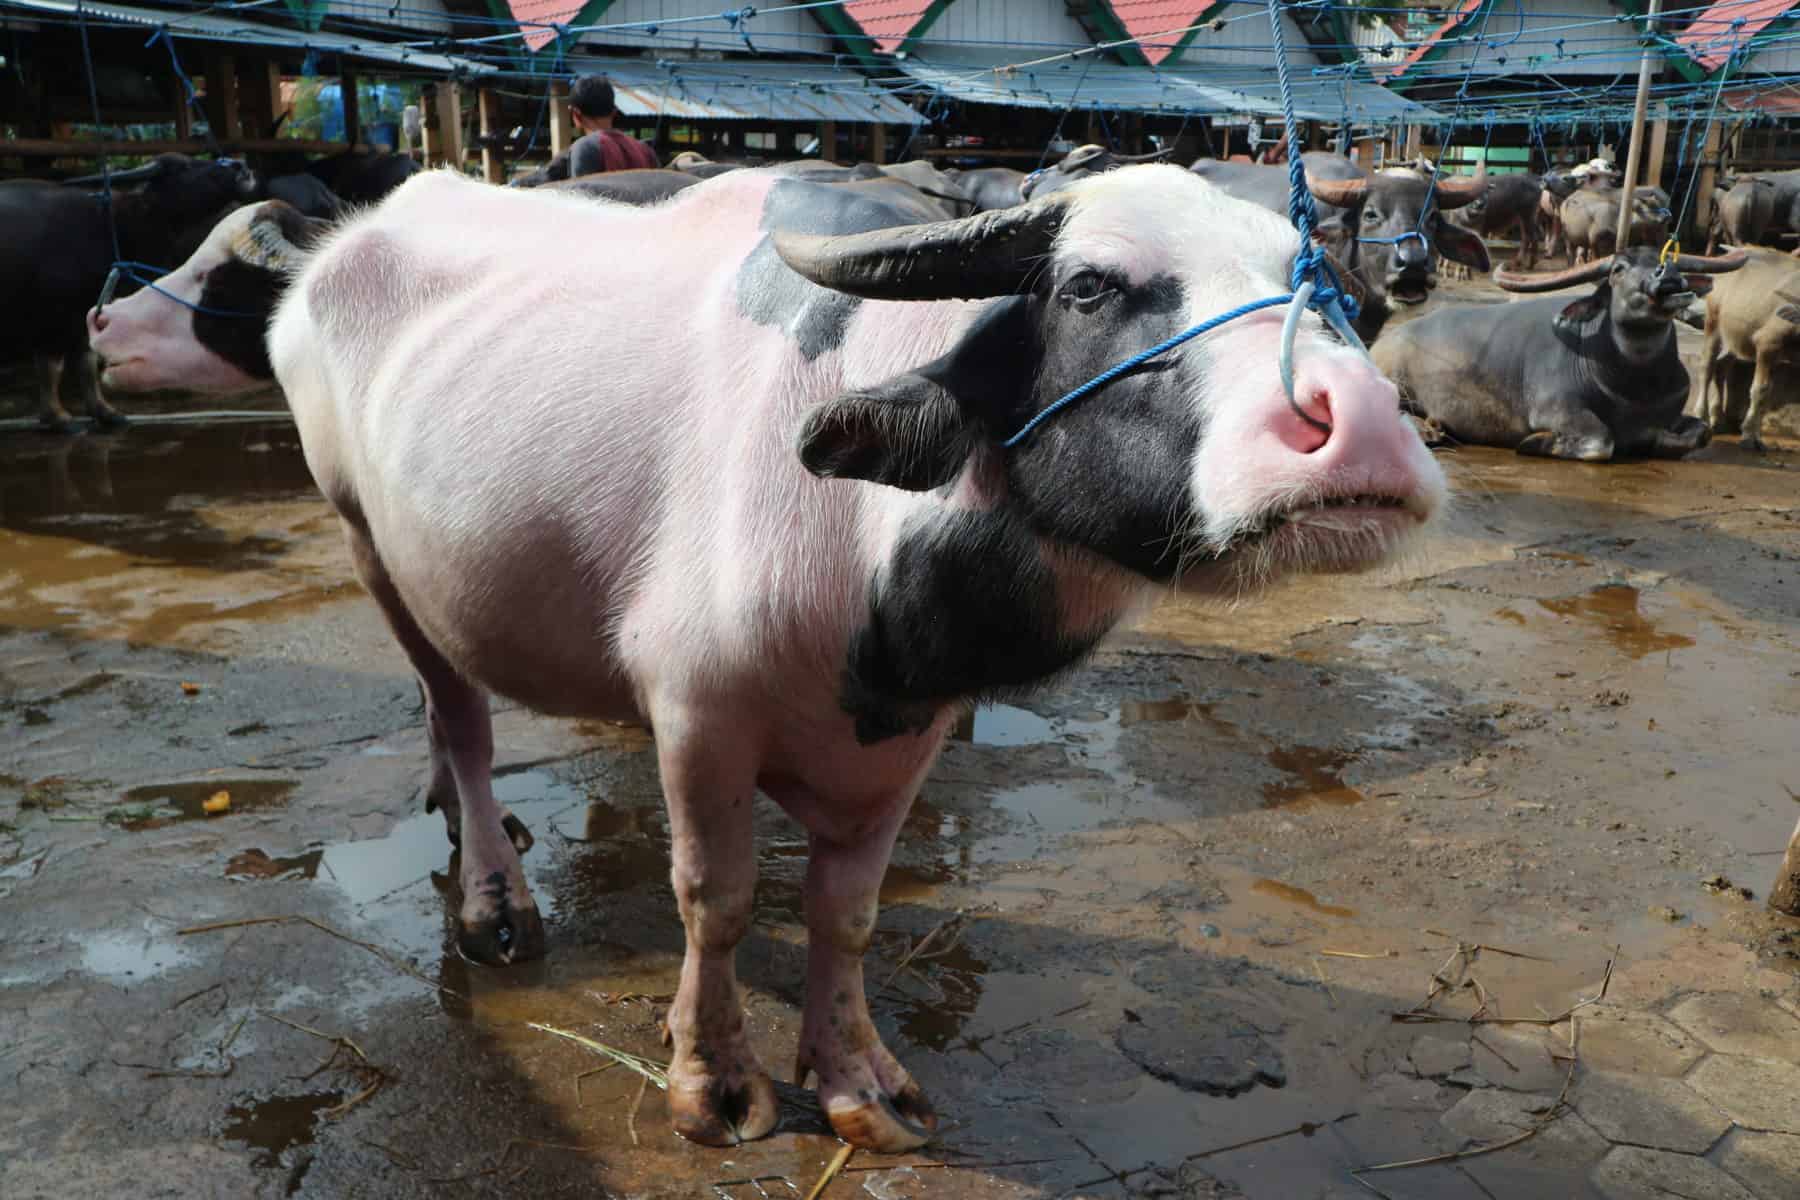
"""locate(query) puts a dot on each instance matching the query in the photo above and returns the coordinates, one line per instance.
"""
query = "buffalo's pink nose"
(1305, 425)
(96, 321)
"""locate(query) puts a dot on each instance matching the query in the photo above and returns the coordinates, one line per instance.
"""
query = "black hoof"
(110, 418)
(517, 833)
(511, 936)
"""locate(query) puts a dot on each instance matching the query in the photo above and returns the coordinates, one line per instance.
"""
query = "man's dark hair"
(593, 95)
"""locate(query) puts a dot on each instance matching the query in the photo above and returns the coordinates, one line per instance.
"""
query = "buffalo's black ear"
(1459, 245)
(916, 430)
(1697, 283)
(1579, 312)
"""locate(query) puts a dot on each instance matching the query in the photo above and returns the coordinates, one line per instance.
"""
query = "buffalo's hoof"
(887, 1125)
(110, 418)
(723, 1111)
(514, 934)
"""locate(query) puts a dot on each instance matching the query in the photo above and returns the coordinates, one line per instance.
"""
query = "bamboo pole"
(1659, 144)
(562, 130)
(1636, 154)
(492, 169)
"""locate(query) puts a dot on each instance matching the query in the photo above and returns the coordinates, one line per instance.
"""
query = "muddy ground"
(1173, 906)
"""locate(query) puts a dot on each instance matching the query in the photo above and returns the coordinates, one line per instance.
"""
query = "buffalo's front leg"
(499, 922)
(869, 1098)
(719, 1094)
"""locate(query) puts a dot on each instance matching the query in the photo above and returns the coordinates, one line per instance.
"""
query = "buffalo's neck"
(970, 605)
(1641, 345)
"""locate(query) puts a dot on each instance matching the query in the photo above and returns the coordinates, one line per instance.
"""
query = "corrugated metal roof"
(221, 27)
(1712, 35)
(744, 90)
(1089, 82)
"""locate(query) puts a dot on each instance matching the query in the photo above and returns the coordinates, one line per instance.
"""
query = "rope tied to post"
(1314, 280)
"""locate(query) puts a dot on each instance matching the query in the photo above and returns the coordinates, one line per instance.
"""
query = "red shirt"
(609, 150)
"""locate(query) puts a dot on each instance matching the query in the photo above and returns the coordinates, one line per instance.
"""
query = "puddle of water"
(131, 957)
(1314, 778)
(257, 864)
(277, 1124)
(1042, 811)
(1614, 608)
(1005, 725)
(1299, 896)
(941, 994)
(158, 804)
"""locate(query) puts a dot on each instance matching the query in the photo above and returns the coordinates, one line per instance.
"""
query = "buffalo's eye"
(200, 276)
(1088, 290)
(1371, 217)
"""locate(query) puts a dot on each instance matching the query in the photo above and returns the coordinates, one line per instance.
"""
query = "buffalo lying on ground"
(1584, 378)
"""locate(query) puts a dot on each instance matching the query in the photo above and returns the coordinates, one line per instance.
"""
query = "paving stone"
(1739, 1023)
(1520, 1059)
(1634, 1173)
(1647, 1110)
(1767, 1163)
(1754, 1092)
(1403, 1093)
(1637, 1043)
(1433, 1055)
(1493, 1115)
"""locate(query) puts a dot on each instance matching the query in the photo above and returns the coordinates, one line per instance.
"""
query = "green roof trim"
(1111, 30)
(926, 20)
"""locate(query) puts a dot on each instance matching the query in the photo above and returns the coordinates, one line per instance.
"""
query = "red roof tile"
(1467, 11)
(887, 22)
(1147, 18)
(545, 12)
(1712, 35)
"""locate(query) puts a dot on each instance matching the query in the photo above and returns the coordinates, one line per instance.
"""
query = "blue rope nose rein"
(1315, 282)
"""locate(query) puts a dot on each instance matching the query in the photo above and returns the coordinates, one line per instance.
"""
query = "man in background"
(601, 147)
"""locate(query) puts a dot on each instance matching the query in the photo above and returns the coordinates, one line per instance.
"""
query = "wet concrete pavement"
(1172, 906)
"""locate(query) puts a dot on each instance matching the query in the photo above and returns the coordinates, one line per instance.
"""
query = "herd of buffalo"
(1593, 362)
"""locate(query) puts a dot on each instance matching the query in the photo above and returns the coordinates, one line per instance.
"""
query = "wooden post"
(562, 130)
(184, 113)
(430, 144)
(1635, 155)
(449, 125)
(1709, 173)
(878, 143)
(222, 98)
(1413, 136)
(259, 104)
(828, 141)
(492, 167)
(1785, 895)
(1659, 145)
(352, 104)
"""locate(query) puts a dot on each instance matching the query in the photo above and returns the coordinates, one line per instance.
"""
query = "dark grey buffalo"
(1743, 213)
(1079, 163)
(990, 188)
(1590, 219)
(628, 187)
(1385, 229)
(1583, 378)
(1510, 205)
(361, 176)
(304, 193)
(56, 247)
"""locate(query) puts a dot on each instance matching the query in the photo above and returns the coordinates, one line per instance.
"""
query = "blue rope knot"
(136, 272)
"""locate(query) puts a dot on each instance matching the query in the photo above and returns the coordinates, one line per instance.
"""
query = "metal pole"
(1636, 153)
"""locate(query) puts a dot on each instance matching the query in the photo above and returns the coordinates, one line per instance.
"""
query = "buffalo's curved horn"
(1080, 157)
(1454, 191)
(1344, 193)
(1551, 281)
(277, 237)
(1715, 264)
(1153, 156)
(970, 258)
(149, 170)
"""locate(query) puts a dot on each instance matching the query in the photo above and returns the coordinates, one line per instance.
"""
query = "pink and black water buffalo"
(791, 539)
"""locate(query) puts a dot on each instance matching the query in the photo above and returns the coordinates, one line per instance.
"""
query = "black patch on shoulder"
(965, 607)
(248, 294)
(771, 293)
